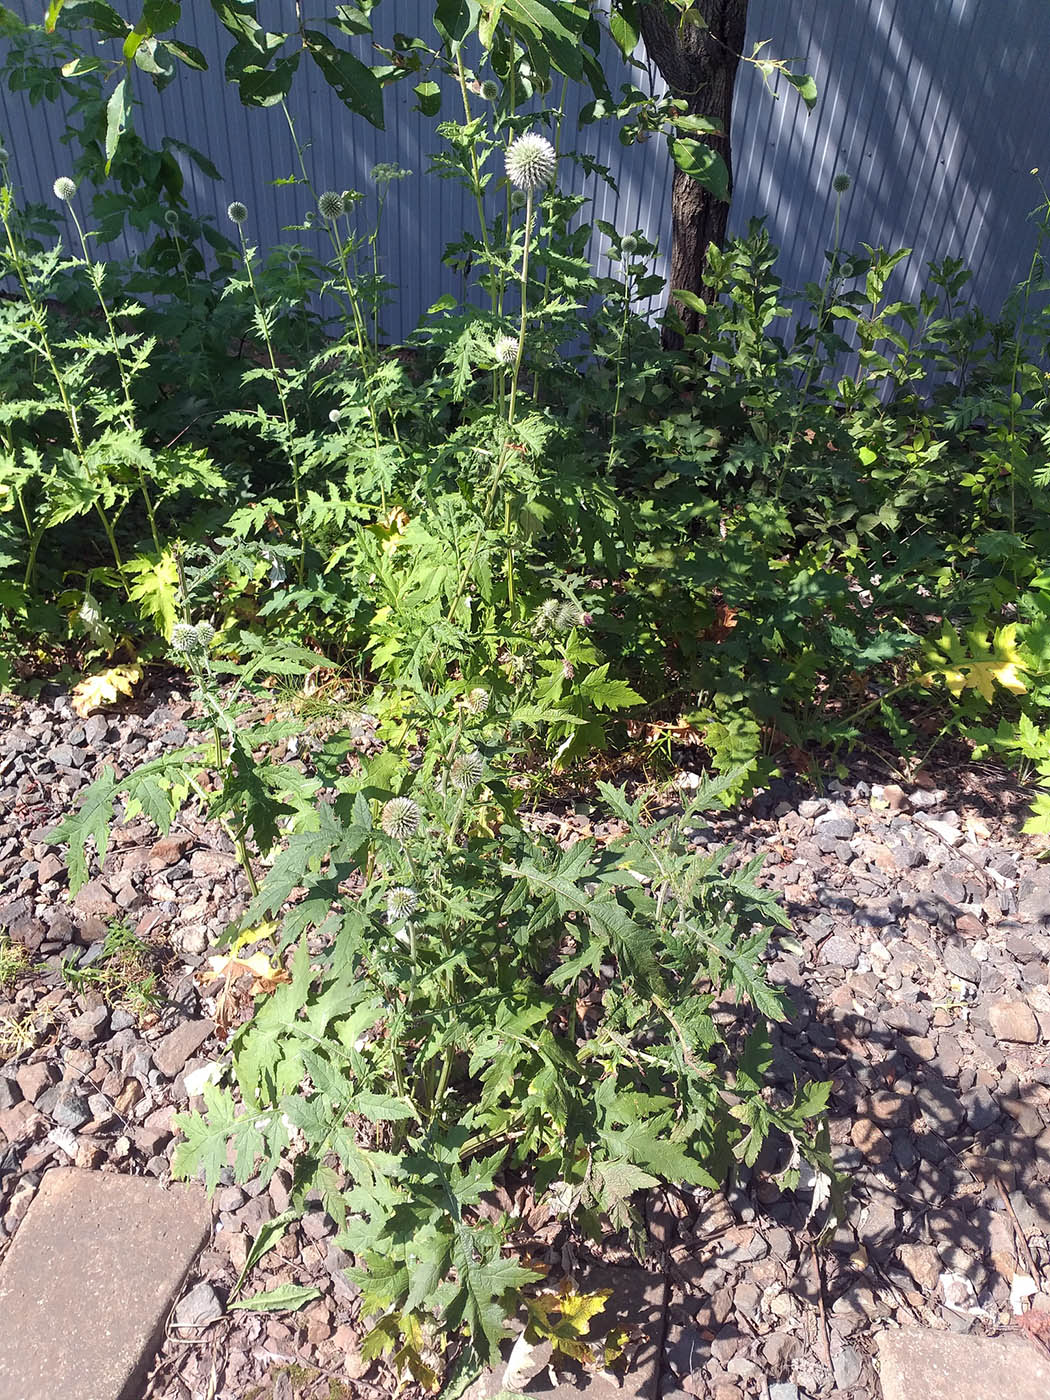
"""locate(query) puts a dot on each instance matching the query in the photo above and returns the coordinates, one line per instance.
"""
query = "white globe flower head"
(331, 206)
(531, 161)
(237, 212)
(171, 218)
(505, 350)
(400, 903)
(64, 188)
(467, 771)
(400, 819)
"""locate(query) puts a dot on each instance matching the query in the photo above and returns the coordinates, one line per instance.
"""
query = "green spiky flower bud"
(331, 206)
(237, 212)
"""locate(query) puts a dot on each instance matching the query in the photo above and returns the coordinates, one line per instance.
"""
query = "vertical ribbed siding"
(935, 109)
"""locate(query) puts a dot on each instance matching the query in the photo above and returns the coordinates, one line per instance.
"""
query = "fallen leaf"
(104, 687)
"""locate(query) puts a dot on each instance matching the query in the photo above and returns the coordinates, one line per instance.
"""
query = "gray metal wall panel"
(936, 109)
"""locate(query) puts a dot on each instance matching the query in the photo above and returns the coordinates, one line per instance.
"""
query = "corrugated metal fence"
(937, 109)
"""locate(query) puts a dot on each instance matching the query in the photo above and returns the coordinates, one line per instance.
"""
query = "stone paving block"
(918, 1364)
(638, 1300)
(87, 1283)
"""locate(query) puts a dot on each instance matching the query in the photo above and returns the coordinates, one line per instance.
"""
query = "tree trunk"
(700, 66)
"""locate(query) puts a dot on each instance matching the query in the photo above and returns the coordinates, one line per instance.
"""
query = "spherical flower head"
(335, 416)
(841, 183)
(477, 702)
(295, 256)
(517, 200)
(171, 218)
(400, 819)
(4, 157)
(628, 245)
(183, 638)
(400, 902)
(331, 206)
(531, 161)
(64, 188)
(505, 350)
(205, 635)
(237, 212)
(466, 771)
(490, 90)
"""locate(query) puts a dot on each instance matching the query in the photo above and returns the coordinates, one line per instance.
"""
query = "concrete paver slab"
(919, 1364)
(87, 1283)
(638, 1300)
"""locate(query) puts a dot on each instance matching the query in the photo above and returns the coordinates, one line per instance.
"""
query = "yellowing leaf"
(564, 1318)
(266, 976)
(104, 687)
(391, 529)
(980, 667)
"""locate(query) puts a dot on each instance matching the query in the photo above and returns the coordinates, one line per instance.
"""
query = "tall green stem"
(95, 277)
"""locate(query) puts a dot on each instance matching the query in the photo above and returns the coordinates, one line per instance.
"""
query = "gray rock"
(960, 964)
(199, 1308)
(70, 1109)
(89, 1027)
(941, 1107)
(783, 1390)
(10, 1093)
(839, 951)
(907, 1019)
(848, 1366)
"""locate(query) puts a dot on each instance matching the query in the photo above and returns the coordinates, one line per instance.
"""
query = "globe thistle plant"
(531, 161)
(628, 245)
(517, 199)
(400, 819)
(237, 212)
(171, 218)
(490, 90)
(331, 206)
(64, 188)
(841, 182)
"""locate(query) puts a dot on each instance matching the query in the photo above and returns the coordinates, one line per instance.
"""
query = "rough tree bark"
(700, 66)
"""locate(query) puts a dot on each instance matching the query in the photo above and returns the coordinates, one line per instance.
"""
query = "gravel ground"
(917, 963)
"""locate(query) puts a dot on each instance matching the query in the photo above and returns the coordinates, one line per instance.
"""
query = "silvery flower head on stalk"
(171, 218)
(477, 702)
(400, 902)
(192, 643)
(295, 256)
(64, 188)
(628, 245)
(490, 90)
(517, 199)
(466, 771)
(400, 819)
(531, 161)
(331, 206)
(505, 350)
(237, 212)
(841, 182)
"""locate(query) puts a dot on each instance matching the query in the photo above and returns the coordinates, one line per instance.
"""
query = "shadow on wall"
(936, 110)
